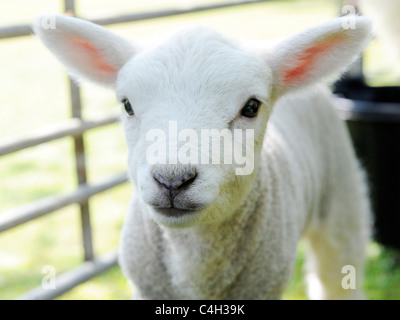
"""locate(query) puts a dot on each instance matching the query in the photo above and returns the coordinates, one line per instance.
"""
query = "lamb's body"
(308, 183)
(204, 231)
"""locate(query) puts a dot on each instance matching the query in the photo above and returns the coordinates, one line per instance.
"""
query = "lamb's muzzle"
(175, 185)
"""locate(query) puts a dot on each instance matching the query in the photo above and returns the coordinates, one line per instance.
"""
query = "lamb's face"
(196, 81)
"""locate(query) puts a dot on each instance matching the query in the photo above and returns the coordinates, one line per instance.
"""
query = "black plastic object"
(373, 118)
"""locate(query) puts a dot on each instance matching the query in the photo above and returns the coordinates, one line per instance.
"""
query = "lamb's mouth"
(175, 212)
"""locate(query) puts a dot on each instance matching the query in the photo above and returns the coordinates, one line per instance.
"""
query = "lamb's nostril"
(184, 180)
(173, 184)
(161, 180)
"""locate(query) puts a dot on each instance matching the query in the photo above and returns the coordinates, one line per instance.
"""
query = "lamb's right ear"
(86, 49)
(317, 53)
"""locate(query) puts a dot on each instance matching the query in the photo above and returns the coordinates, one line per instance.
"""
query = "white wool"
(241, 241)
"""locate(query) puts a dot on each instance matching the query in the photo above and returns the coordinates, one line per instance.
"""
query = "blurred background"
(35, 100)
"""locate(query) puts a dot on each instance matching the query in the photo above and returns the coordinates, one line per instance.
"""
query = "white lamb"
(200, 231)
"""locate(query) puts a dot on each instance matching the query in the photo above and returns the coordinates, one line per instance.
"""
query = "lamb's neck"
(207, 247)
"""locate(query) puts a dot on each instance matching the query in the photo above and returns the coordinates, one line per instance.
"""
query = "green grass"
(33, 93)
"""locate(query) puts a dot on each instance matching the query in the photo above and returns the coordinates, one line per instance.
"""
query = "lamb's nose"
(175, 184)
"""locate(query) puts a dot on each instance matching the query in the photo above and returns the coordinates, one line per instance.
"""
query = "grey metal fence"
(76, 128)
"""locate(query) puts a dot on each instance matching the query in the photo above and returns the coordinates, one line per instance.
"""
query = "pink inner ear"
(308, 58)
(94, 56)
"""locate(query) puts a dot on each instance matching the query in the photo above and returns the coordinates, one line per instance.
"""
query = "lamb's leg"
(337, 240)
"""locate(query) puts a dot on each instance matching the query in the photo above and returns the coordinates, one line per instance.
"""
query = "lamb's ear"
(86, 49)
(316, 53)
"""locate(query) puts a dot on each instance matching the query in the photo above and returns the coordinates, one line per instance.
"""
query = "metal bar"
(70, 127)
(28, 212)
(80, 161)
(170, 12)
(69, 7)
(15, 31)
(74, 277)
(25, 29)
(80, 158)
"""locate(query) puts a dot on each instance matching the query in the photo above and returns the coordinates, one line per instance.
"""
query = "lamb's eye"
(250, 109)
(128, 107)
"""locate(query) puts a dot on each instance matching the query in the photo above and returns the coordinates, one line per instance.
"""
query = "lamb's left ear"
(86, 49)
(317, 52)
